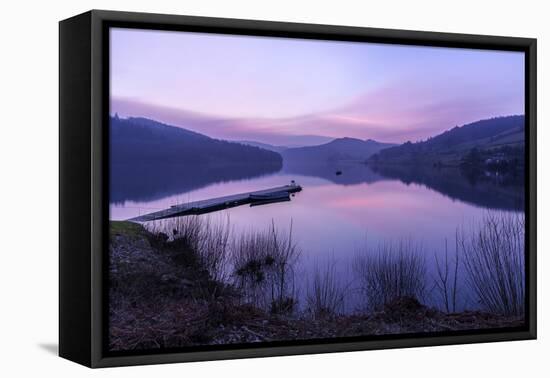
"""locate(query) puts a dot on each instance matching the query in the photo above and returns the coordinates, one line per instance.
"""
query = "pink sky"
(277, 90)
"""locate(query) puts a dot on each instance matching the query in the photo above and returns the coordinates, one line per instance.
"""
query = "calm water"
(337, 216)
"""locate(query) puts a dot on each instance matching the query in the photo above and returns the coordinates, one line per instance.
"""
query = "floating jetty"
(260, 197)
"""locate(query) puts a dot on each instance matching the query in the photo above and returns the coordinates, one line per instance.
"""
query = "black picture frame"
(83, 180)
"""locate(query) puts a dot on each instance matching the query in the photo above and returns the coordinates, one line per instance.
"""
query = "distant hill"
(451, 147)
(141, 140)
(336, 150)
(151, 160)
(341, 173)
(265, 146)
(295, 141)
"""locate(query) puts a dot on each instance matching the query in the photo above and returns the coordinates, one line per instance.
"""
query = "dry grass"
(390, 272)
(446, 279)
(206, 236)
(264, 268)
(494, 258)
(326, 293)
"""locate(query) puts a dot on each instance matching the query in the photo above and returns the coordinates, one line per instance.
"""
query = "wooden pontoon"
(277, 194)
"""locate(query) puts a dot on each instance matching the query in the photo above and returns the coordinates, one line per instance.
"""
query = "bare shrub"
(326, 293)
(264, 264)
(494, 258)
(208, 238)
(446, 279)
(390, 272)
(214, 249)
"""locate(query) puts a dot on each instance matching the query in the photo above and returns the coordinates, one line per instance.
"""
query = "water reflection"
(343, 173)
(477, 188)
(149, 183)
(344, 210)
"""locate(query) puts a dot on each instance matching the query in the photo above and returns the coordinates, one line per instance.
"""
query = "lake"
(344, 210)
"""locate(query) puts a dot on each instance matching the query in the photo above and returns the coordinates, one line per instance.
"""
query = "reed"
(446, 277)
(206, 236)
(389, 272)
(494, 259)
(264, 268)
(326, 293)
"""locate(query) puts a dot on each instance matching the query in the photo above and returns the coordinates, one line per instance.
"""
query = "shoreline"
(162, 296)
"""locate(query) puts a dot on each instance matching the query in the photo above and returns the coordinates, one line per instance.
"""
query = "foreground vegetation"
(189, 281)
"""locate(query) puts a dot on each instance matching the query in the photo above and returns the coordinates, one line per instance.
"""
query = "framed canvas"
(235, 188)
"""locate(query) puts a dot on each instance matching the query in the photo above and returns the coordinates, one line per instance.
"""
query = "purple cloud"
(281, 91)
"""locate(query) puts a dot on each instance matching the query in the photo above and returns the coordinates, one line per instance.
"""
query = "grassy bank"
(187, 282)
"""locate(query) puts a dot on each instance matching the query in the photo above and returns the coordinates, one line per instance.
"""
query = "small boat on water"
(338, 173)
(270, 196)
(269, 202)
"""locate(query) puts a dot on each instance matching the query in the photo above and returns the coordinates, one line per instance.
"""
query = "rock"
(186, 282)
(168, 278)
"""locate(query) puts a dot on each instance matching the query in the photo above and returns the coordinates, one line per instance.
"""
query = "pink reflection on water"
(336, 221)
